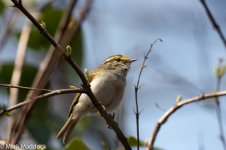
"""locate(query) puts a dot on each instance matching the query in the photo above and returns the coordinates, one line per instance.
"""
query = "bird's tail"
(67, 129)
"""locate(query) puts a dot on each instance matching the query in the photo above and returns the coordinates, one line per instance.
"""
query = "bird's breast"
(108, 89)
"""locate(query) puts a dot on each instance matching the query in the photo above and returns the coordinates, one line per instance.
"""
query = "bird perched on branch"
(108, 82)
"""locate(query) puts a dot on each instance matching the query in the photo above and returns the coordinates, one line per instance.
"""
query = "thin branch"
(214, 22)
(173, 109)
(109, 119)
(137, 87)
(23, 87)
(46, 95)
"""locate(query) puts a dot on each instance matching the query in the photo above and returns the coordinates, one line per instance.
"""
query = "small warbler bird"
(107, 82)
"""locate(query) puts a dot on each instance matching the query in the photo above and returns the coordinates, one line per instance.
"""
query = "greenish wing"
(75, 101)
(77, 96)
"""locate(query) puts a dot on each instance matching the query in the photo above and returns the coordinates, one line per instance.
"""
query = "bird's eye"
(118, 60)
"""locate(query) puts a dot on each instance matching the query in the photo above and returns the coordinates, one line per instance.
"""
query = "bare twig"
(46, 95)
(23, 87)
(214, 22)
(137, 87)
(109, 119)
(173, 109)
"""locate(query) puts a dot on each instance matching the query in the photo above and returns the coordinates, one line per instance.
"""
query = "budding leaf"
(76, 143)
(133, 141)
(72, 87)
(220, 70)
(68, 50)
(179, 98)
(3, 109)
(86, 72)
(43, 24)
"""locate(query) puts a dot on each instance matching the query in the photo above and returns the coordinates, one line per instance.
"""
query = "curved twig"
(173, 109)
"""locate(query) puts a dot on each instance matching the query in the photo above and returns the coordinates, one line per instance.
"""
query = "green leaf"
(220, 69)
(86, 72)
(76, 144)
(133, 141)
(38, 124)
(43, 24)
(77, 54)
(6, 73)
(2, 6)
(51, 17)
(38, 121)
(179, 99)
(157, 148)
(77, 47)
(27, 76)
(3, 108)
(0, 67)
(28, 73)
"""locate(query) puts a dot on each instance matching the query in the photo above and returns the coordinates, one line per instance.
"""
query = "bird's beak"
(132, 60)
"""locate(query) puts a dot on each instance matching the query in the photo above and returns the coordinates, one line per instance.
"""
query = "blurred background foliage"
(181, 65)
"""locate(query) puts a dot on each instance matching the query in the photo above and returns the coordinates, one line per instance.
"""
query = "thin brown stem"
(137, 87)
(46, 95)
(173, 109)
(23, 87)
